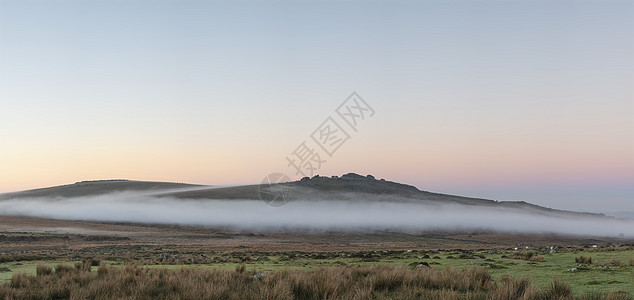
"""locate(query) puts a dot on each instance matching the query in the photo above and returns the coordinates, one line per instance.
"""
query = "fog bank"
(254, 215)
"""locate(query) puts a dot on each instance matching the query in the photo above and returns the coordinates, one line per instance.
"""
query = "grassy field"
(80, 281)
(418, 264)
(610, 268)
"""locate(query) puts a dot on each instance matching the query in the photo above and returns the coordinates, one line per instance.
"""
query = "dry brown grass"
(557, 289)
(43, 270)
(538, 258)
(376, 282)
(517, 288)
(583, 259)
(613, 262)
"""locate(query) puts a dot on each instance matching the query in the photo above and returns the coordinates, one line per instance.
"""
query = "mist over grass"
(367, 213)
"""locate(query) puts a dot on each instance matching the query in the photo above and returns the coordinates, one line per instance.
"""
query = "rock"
(582, 267)
(266, 258)
(418, 265)
(423, 265)
(258, 275)
(5, 269)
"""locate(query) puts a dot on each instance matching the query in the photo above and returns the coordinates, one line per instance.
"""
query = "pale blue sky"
(519, 100)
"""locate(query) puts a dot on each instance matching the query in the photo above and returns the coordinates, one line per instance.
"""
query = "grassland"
(610, 270)
(343, 282)
(181, 251)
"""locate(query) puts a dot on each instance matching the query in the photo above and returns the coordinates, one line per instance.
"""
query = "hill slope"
(96, 187)
(354, 187)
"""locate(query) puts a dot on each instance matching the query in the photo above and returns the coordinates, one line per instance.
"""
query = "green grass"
(541, 273)
(593, 279)
(27, 267)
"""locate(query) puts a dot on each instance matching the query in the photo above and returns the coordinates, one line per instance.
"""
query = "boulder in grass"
(423, 265)
(419, 265)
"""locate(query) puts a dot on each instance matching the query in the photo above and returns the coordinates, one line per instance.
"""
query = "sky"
(507, 100)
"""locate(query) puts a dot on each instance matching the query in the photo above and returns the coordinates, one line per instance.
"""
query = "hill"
(96, 187)
(348, 187)
(355, 187)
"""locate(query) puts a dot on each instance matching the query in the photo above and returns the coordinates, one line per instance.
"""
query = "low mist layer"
(254, 215)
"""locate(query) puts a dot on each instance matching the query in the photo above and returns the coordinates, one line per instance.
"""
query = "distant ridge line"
(103, 180)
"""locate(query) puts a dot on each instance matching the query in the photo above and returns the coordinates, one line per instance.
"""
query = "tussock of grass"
(517, 288)
(613, 262)
(62, 269)
(538, 258)
(557, 289)
(43, 270)
(583, 260)
(529, 255)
